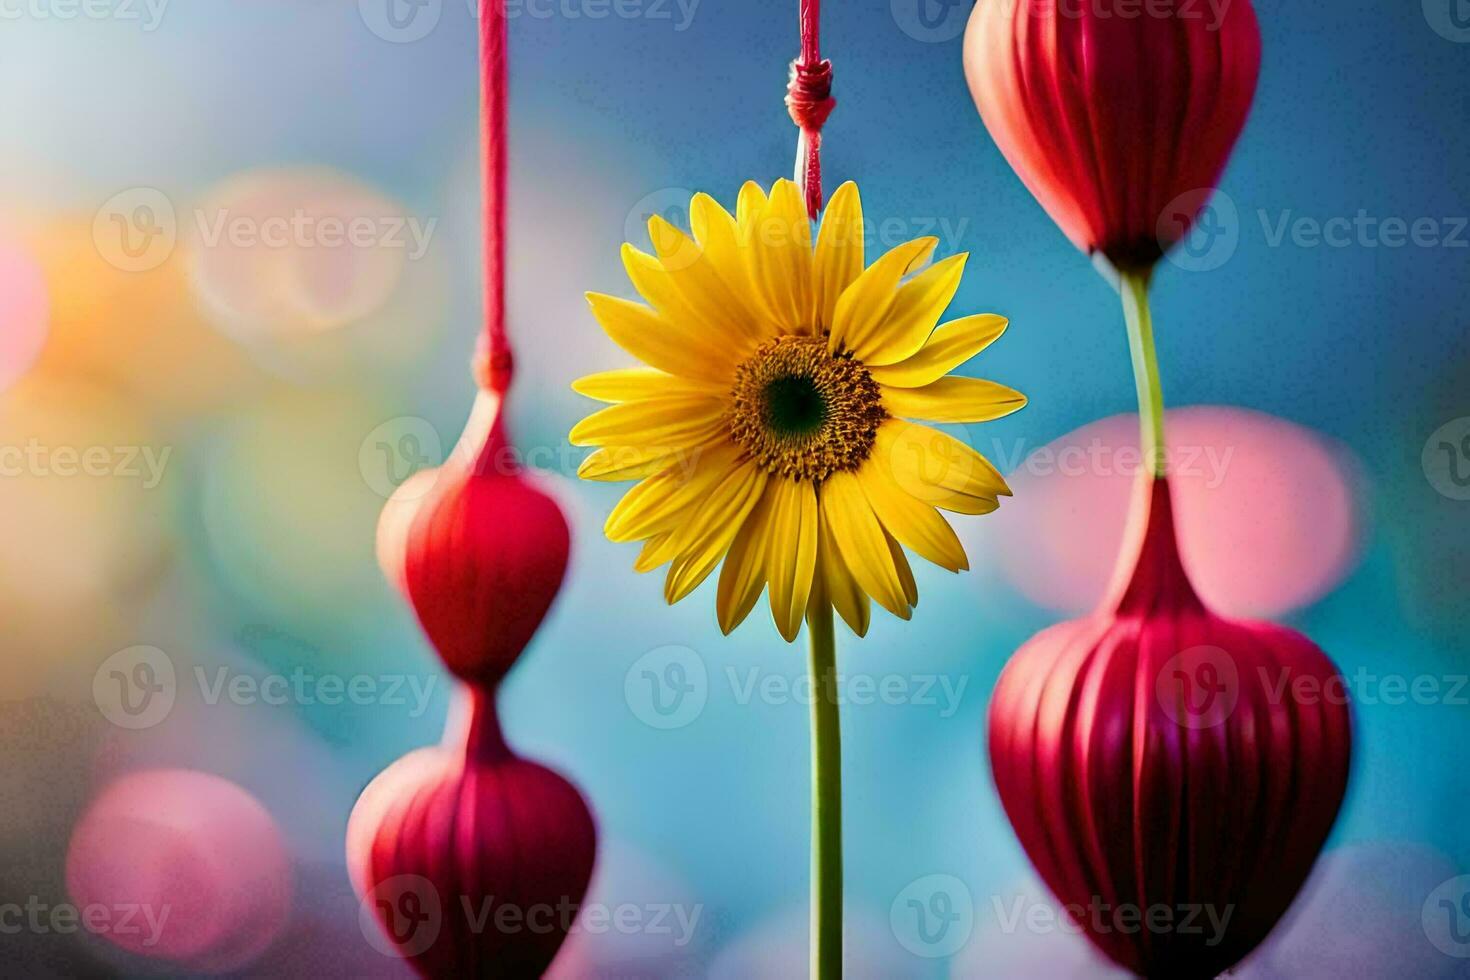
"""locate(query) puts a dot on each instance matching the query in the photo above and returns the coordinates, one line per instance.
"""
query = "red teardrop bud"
(1158, 760)
(478, 549)
(1120, 125)
(473, 861)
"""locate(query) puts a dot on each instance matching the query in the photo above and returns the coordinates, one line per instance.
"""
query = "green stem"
(1134, 288)
(826, 801)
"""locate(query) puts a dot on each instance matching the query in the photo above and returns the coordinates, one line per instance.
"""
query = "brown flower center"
(802, 412)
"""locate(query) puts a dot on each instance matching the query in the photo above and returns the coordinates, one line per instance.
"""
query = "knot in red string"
(809, 94)
(809, 100)
(493, 367)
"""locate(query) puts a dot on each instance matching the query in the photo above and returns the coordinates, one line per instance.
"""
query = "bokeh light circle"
(24, 309)
(194, 850)
(293, 250)
(1268, 511)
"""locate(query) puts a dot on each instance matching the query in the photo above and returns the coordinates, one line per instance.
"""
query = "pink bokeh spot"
(197, 858)
(1266, 510)
(24, 310)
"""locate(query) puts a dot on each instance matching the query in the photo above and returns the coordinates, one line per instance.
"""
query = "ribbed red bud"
(472, 860)
(1118, 116)
(478, 550)
(1157, 759)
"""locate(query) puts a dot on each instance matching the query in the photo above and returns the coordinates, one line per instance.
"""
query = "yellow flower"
(768, 429)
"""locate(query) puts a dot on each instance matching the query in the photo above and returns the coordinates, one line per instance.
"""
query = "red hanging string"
(809, 100)
(493, 363)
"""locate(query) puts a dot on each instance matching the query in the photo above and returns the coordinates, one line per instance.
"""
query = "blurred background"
(239, 284)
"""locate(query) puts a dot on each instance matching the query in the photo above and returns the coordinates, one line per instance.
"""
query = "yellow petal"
(861, 542)
(863, 306)
(693, 297)
(839, 255)
(714, 229)
(780, 246)
(792, 556)
(749, 205)
(939, 469)
(667, 422)
(951, 345)
(659, 503)
(723, 266)
(905, 574)
(657, 342)
(954, 399)
(744, 573)
(613, 463)
(837, 584)
(705, 538)
(913, 522)
(636, 384)
(917, 307)
(655, 552)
